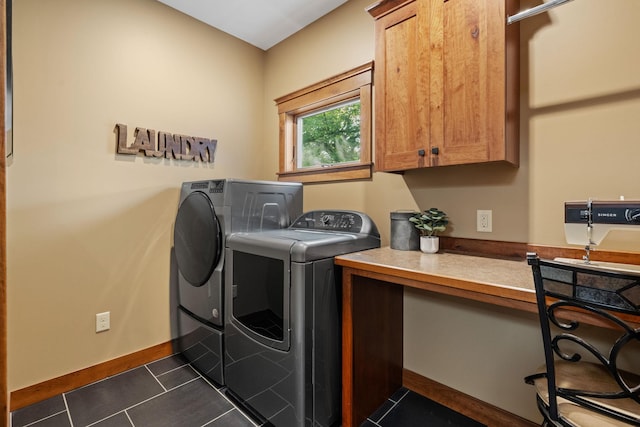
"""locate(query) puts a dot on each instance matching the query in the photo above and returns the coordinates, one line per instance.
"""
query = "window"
(329, 137)
(325, 129)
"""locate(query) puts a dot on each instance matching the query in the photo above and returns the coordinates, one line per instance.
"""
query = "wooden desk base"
(372, 357)
(371, 346)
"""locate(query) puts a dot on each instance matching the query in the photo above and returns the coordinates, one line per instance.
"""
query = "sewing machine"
(587, 223)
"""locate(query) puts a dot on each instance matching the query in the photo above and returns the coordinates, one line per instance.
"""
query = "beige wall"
(580, 83)
(580, 136)
(338, 42)
(90, 231)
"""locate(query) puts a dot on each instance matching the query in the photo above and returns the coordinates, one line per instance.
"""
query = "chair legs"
(544, 410)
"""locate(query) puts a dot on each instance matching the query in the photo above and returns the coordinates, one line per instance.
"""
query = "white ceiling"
(262, 23)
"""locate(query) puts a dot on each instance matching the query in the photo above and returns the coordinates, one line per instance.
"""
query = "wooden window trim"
(350, 85)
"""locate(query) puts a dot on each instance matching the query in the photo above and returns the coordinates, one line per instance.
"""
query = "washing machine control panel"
(345, 221)
(217, 186)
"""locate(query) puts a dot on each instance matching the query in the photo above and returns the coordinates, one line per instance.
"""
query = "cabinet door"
(400, 104)
(447, 83)
(471, 124)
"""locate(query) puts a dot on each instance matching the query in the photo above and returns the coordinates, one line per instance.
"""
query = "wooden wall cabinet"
(446, 83)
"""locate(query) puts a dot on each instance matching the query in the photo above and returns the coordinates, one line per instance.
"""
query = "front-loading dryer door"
(258, 289)
(198, 244)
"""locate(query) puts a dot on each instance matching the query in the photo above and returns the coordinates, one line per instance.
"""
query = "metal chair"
(581, 382)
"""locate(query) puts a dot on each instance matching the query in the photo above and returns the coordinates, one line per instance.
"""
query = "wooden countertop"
(497, 281)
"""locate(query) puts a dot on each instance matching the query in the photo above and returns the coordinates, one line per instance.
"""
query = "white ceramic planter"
(429, 244)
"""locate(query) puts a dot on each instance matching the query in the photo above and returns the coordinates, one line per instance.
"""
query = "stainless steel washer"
(283, 310)
(208, 212)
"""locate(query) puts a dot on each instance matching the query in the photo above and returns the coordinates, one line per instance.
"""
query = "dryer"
(208, 213)
(283, 310)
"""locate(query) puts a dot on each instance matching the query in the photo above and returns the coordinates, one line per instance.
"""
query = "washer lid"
(197, 238)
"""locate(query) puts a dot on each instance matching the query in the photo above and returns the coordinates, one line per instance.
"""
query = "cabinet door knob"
(435, 150)
(421, 153)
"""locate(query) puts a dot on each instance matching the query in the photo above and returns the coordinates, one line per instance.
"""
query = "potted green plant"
(429, 223)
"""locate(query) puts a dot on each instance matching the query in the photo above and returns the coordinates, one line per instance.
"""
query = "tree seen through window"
(330, 137)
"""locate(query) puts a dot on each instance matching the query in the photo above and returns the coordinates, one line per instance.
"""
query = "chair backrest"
(568, 294)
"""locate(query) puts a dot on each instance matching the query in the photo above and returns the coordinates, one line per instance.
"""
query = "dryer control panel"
(330, 220)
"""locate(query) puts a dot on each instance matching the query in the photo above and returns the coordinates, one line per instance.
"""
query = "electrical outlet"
(484, 221)
(103, 321)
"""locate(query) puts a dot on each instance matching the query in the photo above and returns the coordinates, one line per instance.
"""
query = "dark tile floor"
(169, 392)
(406, 408)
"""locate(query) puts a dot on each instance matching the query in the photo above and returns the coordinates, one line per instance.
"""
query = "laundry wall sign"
(164, 144)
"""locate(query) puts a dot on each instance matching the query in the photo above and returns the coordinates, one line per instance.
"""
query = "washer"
(208, 212)
(283, 311)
